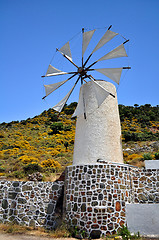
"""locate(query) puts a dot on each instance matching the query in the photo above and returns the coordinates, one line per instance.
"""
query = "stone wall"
(145, 185)
(96, 195)
(31, 203)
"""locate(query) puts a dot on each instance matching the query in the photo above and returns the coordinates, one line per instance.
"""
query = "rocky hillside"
(44, 144)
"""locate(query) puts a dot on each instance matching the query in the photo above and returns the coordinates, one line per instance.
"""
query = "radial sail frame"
(100, 92)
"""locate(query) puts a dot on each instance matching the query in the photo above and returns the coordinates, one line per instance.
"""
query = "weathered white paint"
(143, 218)
(152, 164)
(99, 135)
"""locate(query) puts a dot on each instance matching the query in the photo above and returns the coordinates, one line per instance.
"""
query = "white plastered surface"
(143, 218)
(99, 135)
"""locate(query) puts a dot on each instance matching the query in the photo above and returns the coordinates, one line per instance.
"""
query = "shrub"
(134, 156)
(2, 169)
(125, 154)
(156, 155)
(54, 118)
(27, 159)
(69, 110)
(147, 156)
(18, 174)
(67, 128)
(56, 127)
(50, 163)
(32, 167)
(125, 233)
(66, 145)
(54, 152)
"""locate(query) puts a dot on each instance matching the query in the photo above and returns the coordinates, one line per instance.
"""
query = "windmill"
(93, 95)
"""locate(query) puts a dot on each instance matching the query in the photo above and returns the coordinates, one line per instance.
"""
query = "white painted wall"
(143, 218)
(99, 135)
(152, 164)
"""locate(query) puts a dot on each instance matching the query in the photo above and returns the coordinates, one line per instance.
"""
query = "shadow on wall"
(55, 211)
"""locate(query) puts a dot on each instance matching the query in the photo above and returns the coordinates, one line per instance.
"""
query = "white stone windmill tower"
(98, 131)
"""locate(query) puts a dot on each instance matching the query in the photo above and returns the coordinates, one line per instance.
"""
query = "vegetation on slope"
(45, 143)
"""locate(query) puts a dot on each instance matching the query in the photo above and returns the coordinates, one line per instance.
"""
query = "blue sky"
(32, 29)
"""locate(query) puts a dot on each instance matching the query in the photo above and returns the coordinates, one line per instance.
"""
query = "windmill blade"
(59, 106)
(106, 38)
(112, 73)
(80, 106)
(52, 71)
(101, 93)
(87, 36)
(67, 57)
(115, 53)
(66, 50)
(94, 80)
(52, 87)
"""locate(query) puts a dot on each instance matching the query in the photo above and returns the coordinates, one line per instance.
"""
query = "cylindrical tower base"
(99, 135)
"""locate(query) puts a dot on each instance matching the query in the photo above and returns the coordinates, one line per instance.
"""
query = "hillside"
(44, 143)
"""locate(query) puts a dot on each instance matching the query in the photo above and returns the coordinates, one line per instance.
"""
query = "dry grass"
(61, 232)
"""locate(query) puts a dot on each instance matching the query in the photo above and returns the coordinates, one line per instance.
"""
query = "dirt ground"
(28, 237)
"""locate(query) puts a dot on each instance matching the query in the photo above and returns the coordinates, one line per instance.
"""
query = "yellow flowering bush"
(54, 152)
(28, 159)
(125, 154)
(23, 145)
(50, 163)
(134, 156)
(1, 154)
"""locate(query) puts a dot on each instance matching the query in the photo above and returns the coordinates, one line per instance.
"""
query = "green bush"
(18, 174)
(56, 127)
(157, 155)
(67, 128)
(124, 232)
(143, 136)
(147, 156)
(32, 167)
(2, 169)
(69, 110)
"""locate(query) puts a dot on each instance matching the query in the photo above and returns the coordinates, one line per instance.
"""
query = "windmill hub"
(82, 71)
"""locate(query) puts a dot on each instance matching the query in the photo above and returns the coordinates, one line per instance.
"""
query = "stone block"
(5, 204)
(50, 208)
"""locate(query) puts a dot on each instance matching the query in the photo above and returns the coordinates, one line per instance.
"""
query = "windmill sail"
(115, 53)
(87, 36)
(101, 93)
(80, 106)
(106, 38)
(112, 73)
(66, 50)
(52, 87)
(59, 106)
(52, 71)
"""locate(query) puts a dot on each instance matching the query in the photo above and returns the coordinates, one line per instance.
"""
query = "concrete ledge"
(143, 218)
(152, 164)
